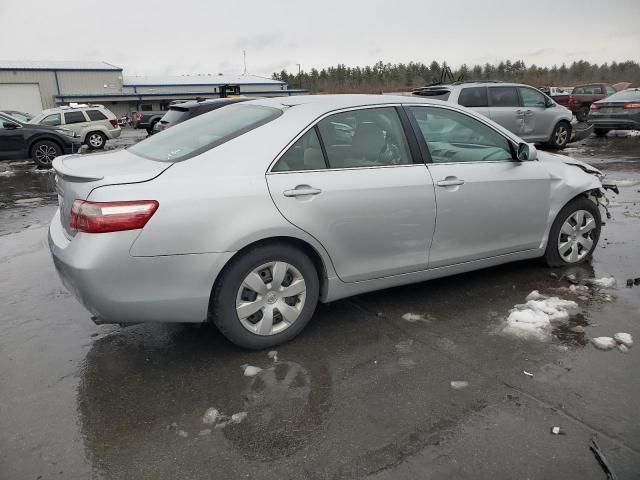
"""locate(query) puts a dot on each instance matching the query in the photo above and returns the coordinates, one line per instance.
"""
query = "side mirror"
(527, 152)
(9, 125)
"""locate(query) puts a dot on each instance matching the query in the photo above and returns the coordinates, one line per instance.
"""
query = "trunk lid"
(77, 175)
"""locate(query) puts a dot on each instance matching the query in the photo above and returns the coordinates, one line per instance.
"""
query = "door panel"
(502, 207)
(12, 142)
(373, 222)
(538, 119)
(505, 109)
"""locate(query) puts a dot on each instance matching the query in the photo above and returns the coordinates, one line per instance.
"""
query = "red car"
(580, 99)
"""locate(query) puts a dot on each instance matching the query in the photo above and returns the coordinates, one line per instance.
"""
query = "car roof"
(472, 83)
(335, 102)
(71, 108)
(189, 104)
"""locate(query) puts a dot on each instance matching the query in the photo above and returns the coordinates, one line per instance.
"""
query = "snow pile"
(604, 282)
(604, 343)
(626, 183)
(273, 355)
(250, 370)
(412, 317)
(533, 319)
(459, 384)
(624, 339)
(6, 173)
(210, 416)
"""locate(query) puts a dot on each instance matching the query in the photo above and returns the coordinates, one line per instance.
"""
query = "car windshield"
(624, 96)
(203, 133)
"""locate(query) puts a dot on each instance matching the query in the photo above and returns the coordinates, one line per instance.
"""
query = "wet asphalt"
(361, 393)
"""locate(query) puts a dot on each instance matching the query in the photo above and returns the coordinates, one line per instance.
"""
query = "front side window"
(305, 154)
(504, 97)
(204, 132)
(371, 137)
(531, 98)
(455, 137)
(53, 120)
(74, 117)
(473, 97)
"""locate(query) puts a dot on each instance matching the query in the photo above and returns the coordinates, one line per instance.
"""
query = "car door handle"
(528, 112)
(519, 112)
(450, 183)
(302, 190)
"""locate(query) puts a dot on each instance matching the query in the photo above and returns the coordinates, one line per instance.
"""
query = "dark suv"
(185, 110)
(42, 143)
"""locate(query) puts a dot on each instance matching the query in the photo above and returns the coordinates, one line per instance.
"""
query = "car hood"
(554, 158)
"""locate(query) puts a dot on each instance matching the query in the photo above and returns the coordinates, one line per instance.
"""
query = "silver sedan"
(250, 215)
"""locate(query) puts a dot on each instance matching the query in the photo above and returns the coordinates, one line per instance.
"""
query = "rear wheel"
(560, 136)
(151, 127)
(583, 114)
(96, 140)
(266, 296)
(44, 151)
(574, 233)
(601, 132)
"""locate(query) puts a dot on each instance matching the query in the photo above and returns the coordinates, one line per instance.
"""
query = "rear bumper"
(116, 287)
(115, 133)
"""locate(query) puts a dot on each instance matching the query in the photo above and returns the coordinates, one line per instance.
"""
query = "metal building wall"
(45, 79)
(86, 82)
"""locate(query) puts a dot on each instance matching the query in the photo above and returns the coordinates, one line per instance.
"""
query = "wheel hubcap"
(95, 140)
(271, 298)
(45, 153)
(561, 135)
(576, 236)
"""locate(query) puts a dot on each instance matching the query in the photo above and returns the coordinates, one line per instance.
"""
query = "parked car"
(41, 143)
(258, 213)
(22, 116)
(581, 97)
(94, 124)
(620, 111)
(551, 91)
(521, 109)
(147, 119)
(178, 113)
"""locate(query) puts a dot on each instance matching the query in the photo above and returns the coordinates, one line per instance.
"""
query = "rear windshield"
(203, 133)
(175, 115)
(624, 96)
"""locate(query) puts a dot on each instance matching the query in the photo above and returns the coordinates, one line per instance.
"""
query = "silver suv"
(522, 109)
(94, 124)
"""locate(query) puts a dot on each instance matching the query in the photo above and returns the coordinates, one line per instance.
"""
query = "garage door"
(24, 97)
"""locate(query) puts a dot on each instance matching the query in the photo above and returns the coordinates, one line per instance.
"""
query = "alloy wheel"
(96, 140)
(561, 135)
(576, 236)
(271, 298)
(45, 154)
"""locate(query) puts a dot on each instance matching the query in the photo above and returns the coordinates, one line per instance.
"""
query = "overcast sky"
(189, 37)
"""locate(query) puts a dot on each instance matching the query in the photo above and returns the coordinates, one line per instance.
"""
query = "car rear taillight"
(570, 99)
(114, 123)
(104, 217)
(594, 106)
(138, 116)
(632, 105)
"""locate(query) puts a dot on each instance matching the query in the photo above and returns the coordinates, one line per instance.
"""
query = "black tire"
(601, 132)
(560, 136)
(583, 114)
(44, 151)
(222, 307)
(552, 255)
(150, 130)
(95, 140)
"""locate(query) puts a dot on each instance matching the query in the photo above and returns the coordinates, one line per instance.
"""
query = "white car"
(94, 124)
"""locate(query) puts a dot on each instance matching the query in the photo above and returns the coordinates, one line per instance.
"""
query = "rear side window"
(205, 132)
(175, 115)
(74, 117)
(473, 97)
(504, 97)
(95, 115)
(305, 154)
(532, 98)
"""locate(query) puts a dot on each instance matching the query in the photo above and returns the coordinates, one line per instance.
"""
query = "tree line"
(388, 77)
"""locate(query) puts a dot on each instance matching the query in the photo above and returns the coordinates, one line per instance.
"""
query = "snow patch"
(273, 355)
(626, 183)
(250, 370)
(27, 201)
(459, 384)
(183, 434)
(210, 416)
(604, 282)
(533, 319)
(624, 339)
(604, 343)
(238, 417)
(6, 173)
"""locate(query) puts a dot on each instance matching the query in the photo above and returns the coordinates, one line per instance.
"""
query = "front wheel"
(44, 151)
(574, 233)
(266, 296)
(560, 136)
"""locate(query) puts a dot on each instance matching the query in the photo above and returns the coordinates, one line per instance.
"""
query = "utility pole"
(244, 60)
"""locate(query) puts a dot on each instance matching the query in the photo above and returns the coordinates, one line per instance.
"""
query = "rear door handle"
(302, 190)
(450, 183)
